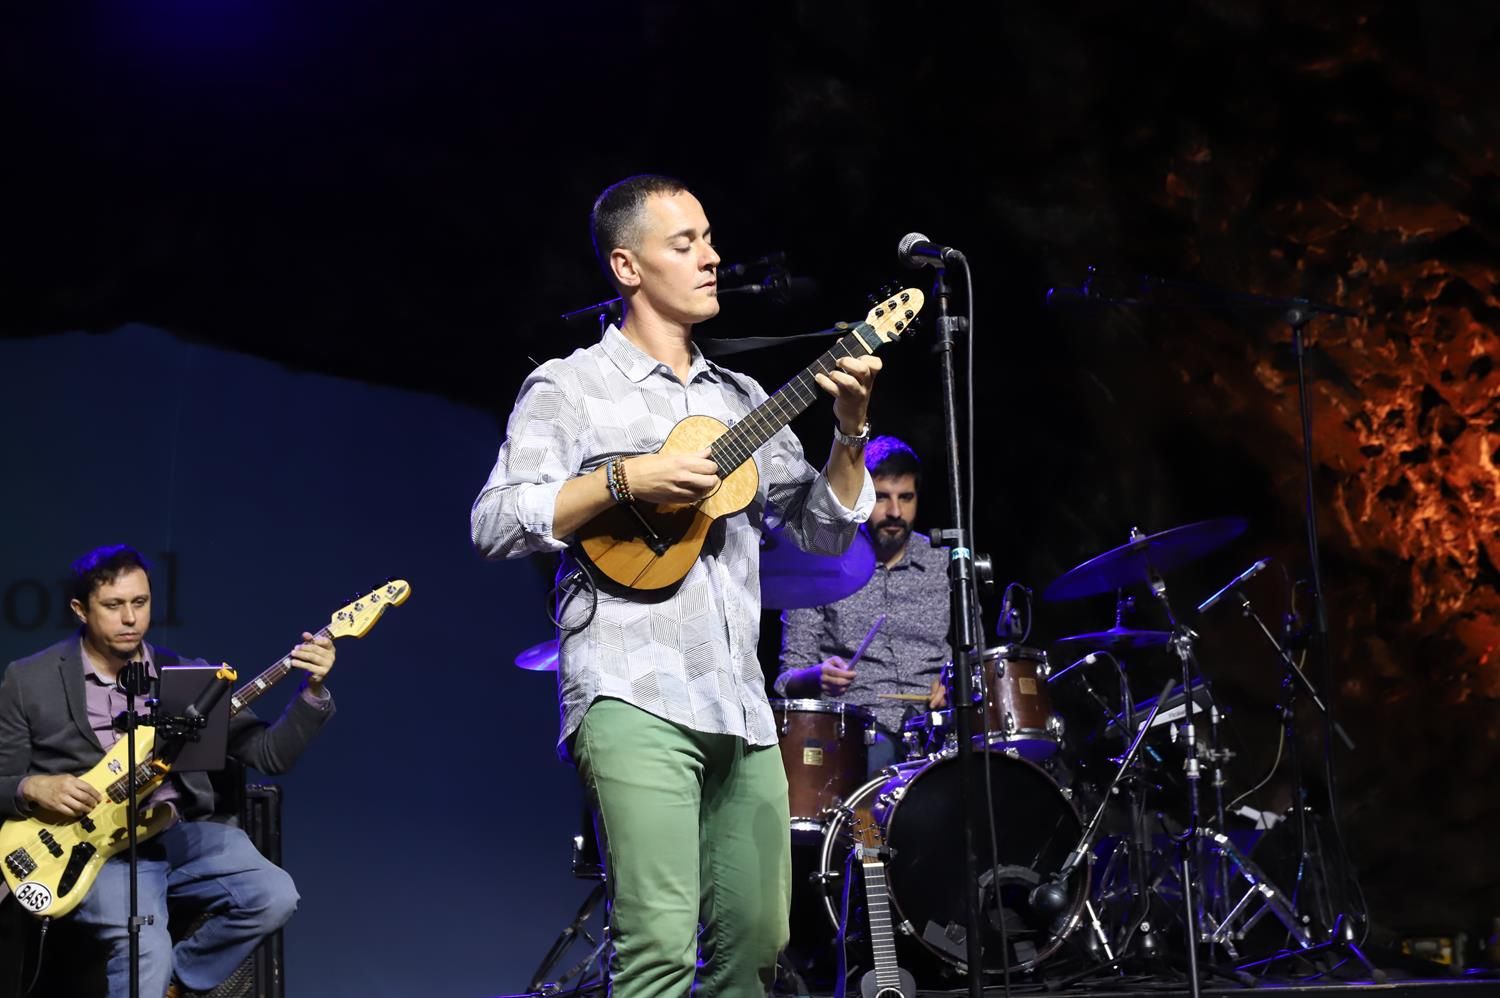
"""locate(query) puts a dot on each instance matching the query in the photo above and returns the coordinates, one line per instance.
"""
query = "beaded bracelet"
(621, 481)
(609, 480)
(614, 477)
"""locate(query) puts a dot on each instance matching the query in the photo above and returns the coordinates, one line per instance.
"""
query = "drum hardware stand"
(587, 864)
(1051, 895)
(1191, 855)
(964, 634)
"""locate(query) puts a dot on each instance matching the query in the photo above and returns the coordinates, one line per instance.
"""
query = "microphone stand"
(135, 682)
(963, 634)
(1340, 932)
(1053, 894)
(1297, 313)
(172, 732)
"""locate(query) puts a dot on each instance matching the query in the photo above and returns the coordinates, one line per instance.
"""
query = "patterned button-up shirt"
(907, 650)
(689, 658)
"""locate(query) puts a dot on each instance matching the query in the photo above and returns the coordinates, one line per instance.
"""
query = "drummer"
(894, 677)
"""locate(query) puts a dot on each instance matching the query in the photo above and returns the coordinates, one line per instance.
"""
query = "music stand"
(180, 687)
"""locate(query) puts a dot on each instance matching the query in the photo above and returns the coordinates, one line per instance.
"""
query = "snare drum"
(825, 747)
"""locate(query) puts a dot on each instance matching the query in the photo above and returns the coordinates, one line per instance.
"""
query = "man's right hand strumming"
(672, 478)
(61, 794)
(829, 678)
(653, 478)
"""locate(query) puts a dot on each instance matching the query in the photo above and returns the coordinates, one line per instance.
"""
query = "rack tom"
(1017, 706)
(1018, 715)
(825, 746)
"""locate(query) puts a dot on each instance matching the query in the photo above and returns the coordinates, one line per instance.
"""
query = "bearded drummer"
(909, 589)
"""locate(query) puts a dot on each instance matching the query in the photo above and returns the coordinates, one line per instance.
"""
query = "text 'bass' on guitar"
(51, 863)
(648, 546)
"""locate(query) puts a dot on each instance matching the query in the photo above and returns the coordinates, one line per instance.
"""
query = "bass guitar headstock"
(355, 619)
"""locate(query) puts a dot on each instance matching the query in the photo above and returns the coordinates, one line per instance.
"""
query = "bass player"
(57, 711)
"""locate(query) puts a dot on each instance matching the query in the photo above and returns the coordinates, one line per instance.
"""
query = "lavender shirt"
(106, 702)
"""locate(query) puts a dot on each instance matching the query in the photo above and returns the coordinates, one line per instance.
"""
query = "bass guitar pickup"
(50, 841)
(82, 853)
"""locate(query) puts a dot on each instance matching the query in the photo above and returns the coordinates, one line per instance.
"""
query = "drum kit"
(1094, 855)
(1097, 854)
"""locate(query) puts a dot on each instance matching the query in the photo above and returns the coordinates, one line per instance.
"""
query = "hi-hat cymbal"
(1117, 638)
(790, 578)
(539, 658)
(1134, 562)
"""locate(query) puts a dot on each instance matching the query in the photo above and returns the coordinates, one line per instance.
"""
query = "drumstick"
(913, 697)
(869, 636)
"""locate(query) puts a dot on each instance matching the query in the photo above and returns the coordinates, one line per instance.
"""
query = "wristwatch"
(858, 440)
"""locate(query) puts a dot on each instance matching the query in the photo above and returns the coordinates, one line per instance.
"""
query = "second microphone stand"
(1340, 930)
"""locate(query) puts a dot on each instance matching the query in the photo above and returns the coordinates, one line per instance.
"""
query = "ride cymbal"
(1134, 562)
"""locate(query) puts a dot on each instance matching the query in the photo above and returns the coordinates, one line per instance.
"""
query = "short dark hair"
(615, 221)
(888, 457)
(102, 566)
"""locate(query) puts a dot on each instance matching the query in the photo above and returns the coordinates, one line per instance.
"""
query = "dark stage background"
(386, 208)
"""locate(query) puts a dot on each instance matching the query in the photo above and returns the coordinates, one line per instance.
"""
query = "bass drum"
(917, 807)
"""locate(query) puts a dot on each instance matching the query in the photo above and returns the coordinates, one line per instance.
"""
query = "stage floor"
(1476, 984)
(1470, 986)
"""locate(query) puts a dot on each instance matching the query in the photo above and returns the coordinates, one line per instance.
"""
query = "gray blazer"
(44, 728)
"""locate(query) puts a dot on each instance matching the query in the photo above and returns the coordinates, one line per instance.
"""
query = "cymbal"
(790, 578)
(539, 658)
(1134, 562)
(1117, 637)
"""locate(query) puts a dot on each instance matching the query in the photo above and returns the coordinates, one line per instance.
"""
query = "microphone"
(1235, 583)
(916, 250)
(1088, 659)
(776, 259)
(1008, 625)
(1049, 897)
(779, 288)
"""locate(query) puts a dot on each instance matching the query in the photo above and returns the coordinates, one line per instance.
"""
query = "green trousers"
(696, 835)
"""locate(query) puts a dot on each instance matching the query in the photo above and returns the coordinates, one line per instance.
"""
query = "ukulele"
(648, 546)
(888, 979)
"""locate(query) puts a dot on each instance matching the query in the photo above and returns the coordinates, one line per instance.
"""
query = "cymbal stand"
(1190, 862)
(1217, 755)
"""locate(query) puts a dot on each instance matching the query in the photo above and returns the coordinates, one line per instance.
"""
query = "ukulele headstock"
(893, 313)
(868, 836)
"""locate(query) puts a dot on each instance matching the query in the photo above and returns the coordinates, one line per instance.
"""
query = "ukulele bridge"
(653, 540)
